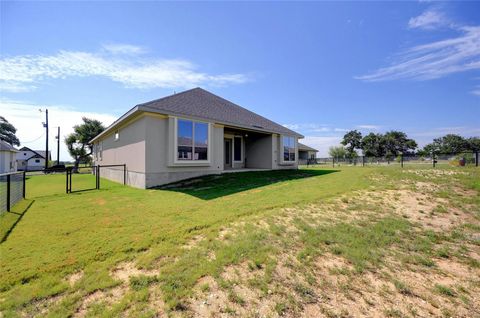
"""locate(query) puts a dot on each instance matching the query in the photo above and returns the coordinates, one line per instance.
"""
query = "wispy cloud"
(476, 91)
(314, 128)
(434, 60)
(27, 119)
(26, 72)
(117, 48)
(430, 19)
(368, 127)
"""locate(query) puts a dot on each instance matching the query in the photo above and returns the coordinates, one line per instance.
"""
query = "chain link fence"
(460, 159)
(12, 189)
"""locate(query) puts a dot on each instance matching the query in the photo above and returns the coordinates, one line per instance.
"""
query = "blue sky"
(320, 68)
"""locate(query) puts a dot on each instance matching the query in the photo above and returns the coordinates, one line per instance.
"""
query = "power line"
(27, 142)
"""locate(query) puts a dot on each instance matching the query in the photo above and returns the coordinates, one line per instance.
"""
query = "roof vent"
(256, 126)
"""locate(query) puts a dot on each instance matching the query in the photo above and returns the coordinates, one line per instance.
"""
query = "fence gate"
(90, 178)
(12, 189)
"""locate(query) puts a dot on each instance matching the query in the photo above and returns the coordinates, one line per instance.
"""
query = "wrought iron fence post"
(8, 192)
(98, 177)
(124, 174)
(24, 183)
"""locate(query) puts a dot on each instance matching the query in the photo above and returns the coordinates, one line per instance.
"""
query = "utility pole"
(58, 145)
(45, 124)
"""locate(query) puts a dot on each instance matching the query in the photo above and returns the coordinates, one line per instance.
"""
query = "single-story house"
(306, 153)
(7, 157)
(31, 160)
(190, 134)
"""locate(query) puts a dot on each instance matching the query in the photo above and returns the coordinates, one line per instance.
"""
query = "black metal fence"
(460, 159)
(12, 189)
(113, 172)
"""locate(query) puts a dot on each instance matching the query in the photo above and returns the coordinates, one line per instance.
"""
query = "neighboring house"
(8, 162)
(30, 160)
(191, 134)
(306, 153)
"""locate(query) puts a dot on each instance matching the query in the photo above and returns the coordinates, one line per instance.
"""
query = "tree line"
(394, 143)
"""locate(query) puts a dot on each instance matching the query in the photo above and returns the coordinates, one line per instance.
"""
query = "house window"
(288, 148)
(117, 135)
(192, 140)
(37, 160)
(100, 150)
(237, 148)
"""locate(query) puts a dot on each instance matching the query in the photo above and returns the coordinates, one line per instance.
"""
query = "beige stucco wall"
(278, 154)
(161, 166)
(147, 146)
(129, 149)
(258, 149)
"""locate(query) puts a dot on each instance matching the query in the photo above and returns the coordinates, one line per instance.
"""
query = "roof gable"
(305, 147)
(200, 103)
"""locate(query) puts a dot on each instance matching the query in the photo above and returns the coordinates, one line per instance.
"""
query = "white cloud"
(117, 48)
(368, 127)
(476, 91)
(28, 121)
(19, 73)
(313, 128)
(434, 60)
(429, 19)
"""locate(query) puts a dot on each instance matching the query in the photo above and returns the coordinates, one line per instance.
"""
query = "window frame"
(116, 135)
(282, 152)
(190, 162)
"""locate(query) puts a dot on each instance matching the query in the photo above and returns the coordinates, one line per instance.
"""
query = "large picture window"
(192, 140)
(288, 148)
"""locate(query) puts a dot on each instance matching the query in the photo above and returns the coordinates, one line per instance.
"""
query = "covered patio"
(245, 150)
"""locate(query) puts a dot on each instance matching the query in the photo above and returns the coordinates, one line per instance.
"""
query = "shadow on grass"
(215, 186)
(9, 220)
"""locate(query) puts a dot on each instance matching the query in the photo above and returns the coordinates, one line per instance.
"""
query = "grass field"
(348, 241)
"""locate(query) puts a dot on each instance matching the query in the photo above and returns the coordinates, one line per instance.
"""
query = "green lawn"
(93, 231)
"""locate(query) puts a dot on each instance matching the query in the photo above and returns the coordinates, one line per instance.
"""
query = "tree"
(337, 152)
(78, 141)
(373, 145)
(352, 140)
(397, 142)
(448, 144)
(7, 132)
(474, 143)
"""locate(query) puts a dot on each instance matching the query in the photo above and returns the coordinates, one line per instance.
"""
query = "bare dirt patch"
(73, 278)
(109, 297)
(330, 286)
(124, 271)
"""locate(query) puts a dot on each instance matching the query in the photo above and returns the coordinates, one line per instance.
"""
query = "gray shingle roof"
(200, 103)
(5, 146)
(306, 148)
